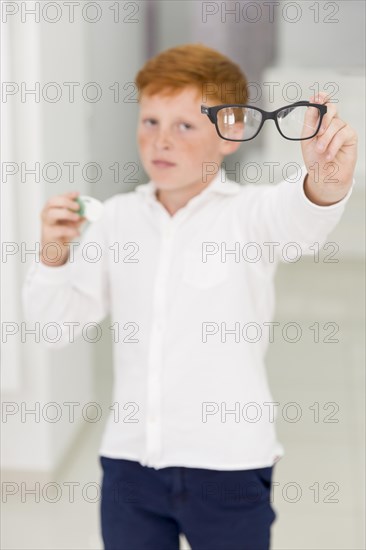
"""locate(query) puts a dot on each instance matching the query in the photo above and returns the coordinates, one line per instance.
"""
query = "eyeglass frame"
(211, 112)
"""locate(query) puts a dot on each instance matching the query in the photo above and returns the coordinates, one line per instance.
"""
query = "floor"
(318, 485)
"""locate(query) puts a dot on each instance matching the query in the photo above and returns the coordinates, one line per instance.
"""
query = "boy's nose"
(163, 140)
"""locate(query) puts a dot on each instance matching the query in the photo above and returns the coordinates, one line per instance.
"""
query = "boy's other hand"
(60, 224)
(330, 157)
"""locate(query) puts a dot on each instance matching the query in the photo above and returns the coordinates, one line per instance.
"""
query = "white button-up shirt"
(191, 298)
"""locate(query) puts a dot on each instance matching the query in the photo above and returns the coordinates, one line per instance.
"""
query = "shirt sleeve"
(64, 299)
(282, 214)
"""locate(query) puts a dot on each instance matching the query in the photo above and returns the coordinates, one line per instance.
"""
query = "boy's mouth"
(163, 163)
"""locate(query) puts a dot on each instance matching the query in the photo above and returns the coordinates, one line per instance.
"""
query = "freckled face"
(175, 140)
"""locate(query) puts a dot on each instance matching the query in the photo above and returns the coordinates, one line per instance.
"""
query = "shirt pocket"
(201, 274)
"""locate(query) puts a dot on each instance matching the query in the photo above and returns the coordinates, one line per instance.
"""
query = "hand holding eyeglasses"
(330, 158)
(329, 145)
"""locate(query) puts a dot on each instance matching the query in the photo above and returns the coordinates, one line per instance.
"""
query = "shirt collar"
(220, 184)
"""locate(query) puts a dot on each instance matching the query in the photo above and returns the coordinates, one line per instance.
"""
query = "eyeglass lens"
(242, 123)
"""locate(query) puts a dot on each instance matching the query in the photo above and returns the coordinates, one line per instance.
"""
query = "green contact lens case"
(90, 208)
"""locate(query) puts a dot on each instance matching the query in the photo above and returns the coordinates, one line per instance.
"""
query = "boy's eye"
(185, 126)
(149, 121)
(153, 122)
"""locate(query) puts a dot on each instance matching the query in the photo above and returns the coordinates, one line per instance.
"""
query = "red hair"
(211, 73)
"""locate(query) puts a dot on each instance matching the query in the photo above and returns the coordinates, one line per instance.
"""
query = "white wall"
(42, 132)
(61, 131)
(327, 34)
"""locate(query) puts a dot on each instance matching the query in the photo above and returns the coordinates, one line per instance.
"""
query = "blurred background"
(80, 60)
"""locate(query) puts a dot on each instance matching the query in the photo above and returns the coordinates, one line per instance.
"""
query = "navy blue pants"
(145, 509)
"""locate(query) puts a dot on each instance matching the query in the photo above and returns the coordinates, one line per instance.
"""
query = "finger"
(60, 232)
(56, 214)
(64, 201)
(76, 223)
(344, 136)
(330, 115)
(324, 140)
(311, 121)
(321, 97)
(63, 232)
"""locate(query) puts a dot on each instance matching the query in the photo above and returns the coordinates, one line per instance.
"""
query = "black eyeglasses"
(298, 121)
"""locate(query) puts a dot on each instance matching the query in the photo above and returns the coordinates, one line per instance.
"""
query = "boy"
(187, 459)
